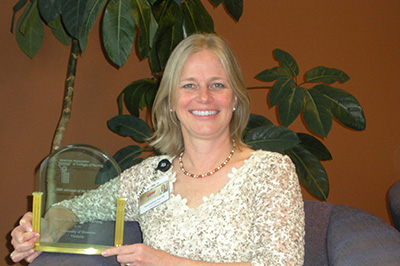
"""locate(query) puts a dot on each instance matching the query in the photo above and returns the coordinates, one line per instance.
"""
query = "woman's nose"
(204, 94)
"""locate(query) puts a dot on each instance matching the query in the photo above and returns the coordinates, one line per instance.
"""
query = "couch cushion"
(317, 220)
(132, 235)
(356, 237)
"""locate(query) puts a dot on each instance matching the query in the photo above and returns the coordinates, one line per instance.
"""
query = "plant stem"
(68, 94)
(62, 123)
(302, 84)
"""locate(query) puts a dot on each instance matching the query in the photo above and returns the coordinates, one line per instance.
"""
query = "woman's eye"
(188, 86)
(218, 86)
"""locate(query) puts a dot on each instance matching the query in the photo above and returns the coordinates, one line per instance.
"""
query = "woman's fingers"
(20, 255)
(112, 251)
(30, 258)
(124, 254)
(20, 235)
(25, 225)
(139, 254)
(23, 240)
(26, 222)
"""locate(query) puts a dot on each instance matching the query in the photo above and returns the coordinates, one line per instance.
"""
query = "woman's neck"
(201, 156)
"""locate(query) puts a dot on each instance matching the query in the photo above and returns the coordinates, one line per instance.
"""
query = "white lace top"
(257, 217)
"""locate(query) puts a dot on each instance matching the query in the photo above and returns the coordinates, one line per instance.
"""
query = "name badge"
(157, 193)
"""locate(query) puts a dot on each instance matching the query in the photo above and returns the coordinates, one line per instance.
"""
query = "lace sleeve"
(279, 224)
(98, 204)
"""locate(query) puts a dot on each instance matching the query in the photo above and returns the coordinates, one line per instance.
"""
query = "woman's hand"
(23, 240)
(140, 255)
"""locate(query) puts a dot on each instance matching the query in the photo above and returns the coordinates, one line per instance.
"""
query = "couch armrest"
(316, 226)
(356, 237)
(132, 235)
(394, 204)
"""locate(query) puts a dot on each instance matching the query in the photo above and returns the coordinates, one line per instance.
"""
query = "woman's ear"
(235, 99)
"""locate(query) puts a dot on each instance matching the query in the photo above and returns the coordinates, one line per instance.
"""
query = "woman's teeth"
(204, 113)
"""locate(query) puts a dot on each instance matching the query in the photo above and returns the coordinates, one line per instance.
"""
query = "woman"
(228, 203)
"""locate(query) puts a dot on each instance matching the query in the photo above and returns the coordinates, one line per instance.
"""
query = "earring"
(234, 109)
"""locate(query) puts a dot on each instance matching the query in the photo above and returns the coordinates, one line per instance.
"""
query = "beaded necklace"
(208, 173)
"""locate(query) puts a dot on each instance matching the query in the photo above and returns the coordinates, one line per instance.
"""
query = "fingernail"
(104, 253)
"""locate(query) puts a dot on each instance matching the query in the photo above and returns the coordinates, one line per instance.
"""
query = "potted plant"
(317, 105)
(155, 27)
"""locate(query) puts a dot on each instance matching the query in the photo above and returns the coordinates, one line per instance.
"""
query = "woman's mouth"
(204, 113)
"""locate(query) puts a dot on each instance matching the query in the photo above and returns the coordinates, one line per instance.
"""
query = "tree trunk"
(63, 122)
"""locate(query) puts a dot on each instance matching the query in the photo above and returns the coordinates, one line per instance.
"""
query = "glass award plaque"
(65, 174)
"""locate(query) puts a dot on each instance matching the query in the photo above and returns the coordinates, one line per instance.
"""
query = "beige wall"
(359, 37)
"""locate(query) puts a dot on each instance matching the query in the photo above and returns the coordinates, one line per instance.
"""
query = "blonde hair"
(167, 137)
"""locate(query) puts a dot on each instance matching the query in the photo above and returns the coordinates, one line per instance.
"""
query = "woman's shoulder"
(149, 164)
(263, 162)
(148, 167)
(144, 173)
(266, 169)
(269, 157)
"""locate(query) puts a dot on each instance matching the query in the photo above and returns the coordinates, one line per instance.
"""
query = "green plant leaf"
(17, 7)
(287, 61)
(30, 30)
(169, 34)
(106, 173)
(146, 23)
(163, 11)
(49, 9)
(345, 107)
(72, 13)
(289, 107)
(310, 172)
(196, 18)
(280, 90)
(317, 112)
(217, 2)
(151, 95)
(271, 138)
(27, 17)
(256, 121)
(314, 146)
(326, 75)
(118, 31)
(59, 32)
(92, 10)
(134, 93)
(126, 156)
(274, 74)
(235, 8)
(166, 41)
(178, 1)
(130, 126)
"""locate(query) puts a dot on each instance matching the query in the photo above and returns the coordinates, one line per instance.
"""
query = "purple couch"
(394, 204)
(335, 235)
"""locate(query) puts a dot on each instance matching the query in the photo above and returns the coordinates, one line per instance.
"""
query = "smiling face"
(204, 98)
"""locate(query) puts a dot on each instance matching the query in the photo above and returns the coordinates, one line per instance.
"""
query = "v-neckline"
(231, 175)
